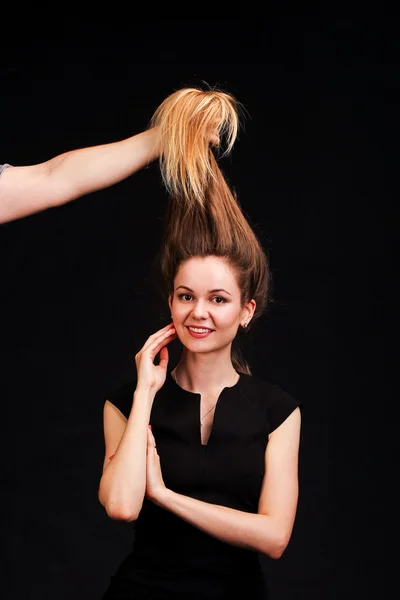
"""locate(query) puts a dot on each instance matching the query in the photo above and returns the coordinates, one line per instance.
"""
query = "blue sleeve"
(2, 167)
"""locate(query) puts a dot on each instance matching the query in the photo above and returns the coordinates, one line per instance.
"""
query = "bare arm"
(123, 483)
(30, 189)
(268, 531)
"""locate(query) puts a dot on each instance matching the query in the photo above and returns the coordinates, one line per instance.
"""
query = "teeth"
(198, 330)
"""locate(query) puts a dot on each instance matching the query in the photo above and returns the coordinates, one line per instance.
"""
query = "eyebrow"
(210, 291)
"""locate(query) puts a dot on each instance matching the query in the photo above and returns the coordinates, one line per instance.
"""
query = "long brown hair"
(204, 217)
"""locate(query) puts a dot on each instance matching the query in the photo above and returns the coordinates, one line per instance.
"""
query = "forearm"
(123, 483)
(238, 528)
(89, 169)
(31, 189)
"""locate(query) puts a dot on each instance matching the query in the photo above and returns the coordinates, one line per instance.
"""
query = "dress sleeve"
(2, 167)
(122, 398)
(281, 405)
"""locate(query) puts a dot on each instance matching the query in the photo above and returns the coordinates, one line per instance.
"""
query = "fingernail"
(150, 427)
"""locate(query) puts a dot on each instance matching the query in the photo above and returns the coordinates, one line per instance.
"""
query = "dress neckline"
(171, 380)
(228, 392)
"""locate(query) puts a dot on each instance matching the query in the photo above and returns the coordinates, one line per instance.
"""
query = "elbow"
(277, 550)
(117, 510)
(277, 546)
(121, 513)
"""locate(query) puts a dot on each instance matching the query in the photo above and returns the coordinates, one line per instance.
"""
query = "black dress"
(171, 558)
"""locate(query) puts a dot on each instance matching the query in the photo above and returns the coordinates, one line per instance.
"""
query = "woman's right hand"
(149, 375)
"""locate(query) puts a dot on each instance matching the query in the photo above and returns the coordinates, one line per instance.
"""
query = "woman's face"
(206, 304)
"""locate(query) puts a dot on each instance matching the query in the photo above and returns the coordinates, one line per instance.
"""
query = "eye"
(219, 300)
(186, 297)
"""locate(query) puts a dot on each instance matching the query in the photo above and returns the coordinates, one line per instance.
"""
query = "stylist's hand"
(214, 138)
(152, 376)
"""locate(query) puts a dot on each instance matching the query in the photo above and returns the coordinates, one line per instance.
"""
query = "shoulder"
(275, 403)
(122, 396)
(263, 391)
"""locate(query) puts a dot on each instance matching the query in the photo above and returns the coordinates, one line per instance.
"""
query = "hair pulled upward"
(204, 217)
(186, 120)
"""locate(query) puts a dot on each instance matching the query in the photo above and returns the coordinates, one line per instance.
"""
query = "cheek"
(228, 318)
(179, 312)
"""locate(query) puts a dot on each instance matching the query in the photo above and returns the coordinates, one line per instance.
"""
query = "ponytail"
(203, 216)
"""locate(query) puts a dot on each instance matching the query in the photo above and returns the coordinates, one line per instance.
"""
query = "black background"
(77, 291)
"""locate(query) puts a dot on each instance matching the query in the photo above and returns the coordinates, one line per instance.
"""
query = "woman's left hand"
(155, 485)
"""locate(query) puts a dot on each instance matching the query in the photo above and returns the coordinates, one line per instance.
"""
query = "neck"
(205, 372)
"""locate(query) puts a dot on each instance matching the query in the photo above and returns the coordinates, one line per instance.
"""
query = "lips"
(199, 332)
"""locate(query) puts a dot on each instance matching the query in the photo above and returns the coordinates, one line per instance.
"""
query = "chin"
(204, 347)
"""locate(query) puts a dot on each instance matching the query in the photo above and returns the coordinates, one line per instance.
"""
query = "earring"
(244, 325)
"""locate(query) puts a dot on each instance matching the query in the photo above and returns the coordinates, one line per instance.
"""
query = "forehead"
(208, 272)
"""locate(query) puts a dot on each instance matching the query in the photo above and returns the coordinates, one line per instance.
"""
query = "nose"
(200, 310)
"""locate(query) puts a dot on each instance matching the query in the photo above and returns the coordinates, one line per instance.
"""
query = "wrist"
(162, 497)
(154, 141)
(144, 391)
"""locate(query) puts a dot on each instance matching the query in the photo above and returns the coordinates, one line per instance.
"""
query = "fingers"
(151, 442)
(164, 357)
(214, 139)
(161, 334)
(152, 338)
(154, 348)
(162, 344)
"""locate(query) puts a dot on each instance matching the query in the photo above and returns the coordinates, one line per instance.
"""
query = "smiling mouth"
(199, 332)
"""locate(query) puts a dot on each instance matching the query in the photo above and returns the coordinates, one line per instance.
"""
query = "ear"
(170, 301)
(248, 312)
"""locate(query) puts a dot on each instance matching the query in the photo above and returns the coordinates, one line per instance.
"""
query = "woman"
(203, 457)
